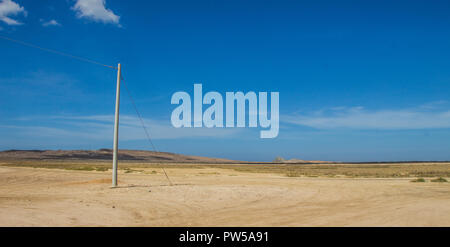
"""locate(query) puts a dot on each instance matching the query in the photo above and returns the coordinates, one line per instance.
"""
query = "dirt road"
(215, 197)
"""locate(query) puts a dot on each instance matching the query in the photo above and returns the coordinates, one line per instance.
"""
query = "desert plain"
(78, 193)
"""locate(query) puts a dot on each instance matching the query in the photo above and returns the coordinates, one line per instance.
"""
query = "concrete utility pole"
(116, 130)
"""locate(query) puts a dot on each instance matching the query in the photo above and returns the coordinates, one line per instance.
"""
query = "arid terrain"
(106, 154)
(77, 193)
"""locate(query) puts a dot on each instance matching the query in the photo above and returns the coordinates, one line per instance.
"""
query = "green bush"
(439, 180)
(418, 180)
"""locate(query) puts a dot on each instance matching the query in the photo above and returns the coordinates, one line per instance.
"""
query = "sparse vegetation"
(209, 173)
(129, 170)
(86, 168)
(388, 170)
(292, 174)
(439, 180)
(418, 180)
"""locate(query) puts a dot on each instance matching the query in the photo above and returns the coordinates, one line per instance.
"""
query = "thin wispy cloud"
(50, 23)
(9, 9)
(100, 127)
(427, 116)
(39, 83)
(95, 10)
(132, 129)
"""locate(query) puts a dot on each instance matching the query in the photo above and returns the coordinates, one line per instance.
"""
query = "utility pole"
(116, 130)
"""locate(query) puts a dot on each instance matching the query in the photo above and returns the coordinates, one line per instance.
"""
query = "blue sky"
(358, 80)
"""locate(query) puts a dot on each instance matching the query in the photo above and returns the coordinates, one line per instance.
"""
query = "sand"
(215, 197)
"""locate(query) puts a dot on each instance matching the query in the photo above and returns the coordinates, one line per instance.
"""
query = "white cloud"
(95, 10)
(50, 23)
(131, 127)
(10, 8)
(422, 117)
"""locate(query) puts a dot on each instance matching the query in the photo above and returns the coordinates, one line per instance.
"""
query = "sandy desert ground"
(215, 197)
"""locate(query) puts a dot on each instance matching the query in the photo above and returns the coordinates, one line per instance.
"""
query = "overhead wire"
(96, 63)
(142, 123)
(56, 52)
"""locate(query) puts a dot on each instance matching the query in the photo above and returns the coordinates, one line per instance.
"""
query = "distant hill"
(106, 154)
(280, 160)
(130, 156)
(297, 161)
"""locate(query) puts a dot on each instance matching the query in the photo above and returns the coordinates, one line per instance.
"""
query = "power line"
(56, 52)
(143, 124)
(138, 114)
(97, 63)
